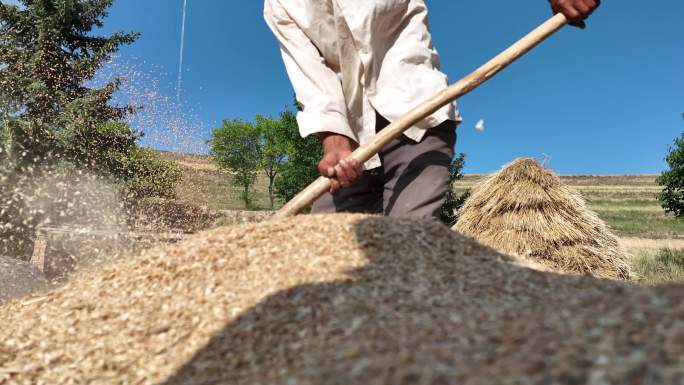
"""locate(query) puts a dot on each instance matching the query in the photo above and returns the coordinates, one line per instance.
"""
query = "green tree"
(48, 52)
(5, 111)
(274, 140)
(4, 140)
(454, 201)
(237, 147)
(672, 180)
(50, 114)
(303, 155)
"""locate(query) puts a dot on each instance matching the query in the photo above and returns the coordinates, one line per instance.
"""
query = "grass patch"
(214, 189)
(619, 195)
(631, 204)
(641, 223)
(634, 214)
(664, 267)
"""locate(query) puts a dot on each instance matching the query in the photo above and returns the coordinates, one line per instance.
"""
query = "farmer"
(357, 65)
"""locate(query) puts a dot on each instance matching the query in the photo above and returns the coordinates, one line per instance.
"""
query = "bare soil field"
(191, 161)
(650, 246)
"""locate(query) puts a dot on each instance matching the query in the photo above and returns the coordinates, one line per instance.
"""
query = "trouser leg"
(417, 173)
(364, 196)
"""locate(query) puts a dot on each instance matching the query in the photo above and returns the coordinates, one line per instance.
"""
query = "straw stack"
(340, 300)
(525, 210)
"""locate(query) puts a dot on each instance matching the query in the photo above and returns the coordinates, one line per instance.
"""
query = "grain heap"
(340, 300)
(525, 210)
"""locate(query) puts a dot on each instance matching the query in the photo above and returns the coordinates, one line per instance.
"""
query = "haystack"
(525, 210)
(340, 300)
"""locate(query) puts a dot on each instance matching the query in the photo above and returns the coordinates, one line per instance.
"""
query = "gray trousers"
(412, 181)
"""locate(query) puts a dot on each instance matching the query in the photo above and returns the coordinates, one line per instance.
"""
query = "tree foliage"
(272, 146)
(303, 155)
(672, 180)
(48, 110)
(274, 140)
(4, 139)
(454, 201)
(48, 52)
(51, 114)
(237, 147)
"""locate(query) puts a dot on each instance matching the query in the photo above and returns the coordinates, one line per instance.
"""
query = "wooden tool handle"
(321, 185)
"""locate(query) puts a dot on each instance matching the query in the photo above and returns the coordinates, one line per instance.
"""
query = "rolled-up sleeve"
(318, 88)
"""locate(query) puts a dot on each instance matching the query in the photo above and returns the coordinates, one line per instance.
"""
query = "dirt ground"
(637, 246)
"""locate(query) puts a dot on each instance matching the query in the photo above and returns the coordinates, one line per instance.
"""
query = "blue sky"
(607, 100)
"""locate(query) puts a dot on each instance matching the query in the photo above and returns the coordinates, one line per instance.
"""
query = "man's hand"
(575, 10)
(342, 173)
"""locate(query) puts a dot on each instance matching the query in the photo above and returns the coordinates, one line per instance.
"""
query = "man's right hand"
(577, 11)
(342, 173)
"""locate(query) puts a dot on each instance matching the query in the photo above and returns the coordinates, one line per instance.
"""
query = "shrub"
(454, 202)
(148, 175)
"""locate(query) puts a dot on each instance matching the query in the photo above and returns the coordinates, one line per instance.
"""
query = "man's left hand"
(577, 11)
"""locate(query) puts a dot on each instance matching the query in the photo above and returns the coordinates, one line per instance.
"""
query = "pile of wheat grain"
(340, 300)
(525, 210)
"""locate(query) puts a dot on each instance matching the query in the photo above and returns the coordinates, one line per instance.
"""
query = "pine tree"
(53, 118)
(48, 53)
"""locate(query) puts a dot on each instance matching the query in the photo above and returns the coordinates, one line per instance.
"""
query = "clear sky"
(607, 100)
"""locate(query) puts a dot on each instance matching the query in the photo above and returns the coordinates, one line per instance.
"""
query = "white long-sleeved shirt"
(347, 59)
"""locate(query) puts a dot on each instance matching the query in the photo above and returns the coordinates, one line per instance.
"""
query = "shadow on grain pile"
(341, 300)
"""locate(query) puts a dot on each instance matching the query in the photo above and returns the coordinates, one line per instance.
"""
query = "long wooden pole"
(321, 185)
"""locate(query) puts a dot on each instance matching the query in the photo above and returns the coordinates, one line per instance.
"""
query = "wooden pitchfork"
(321, 185)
